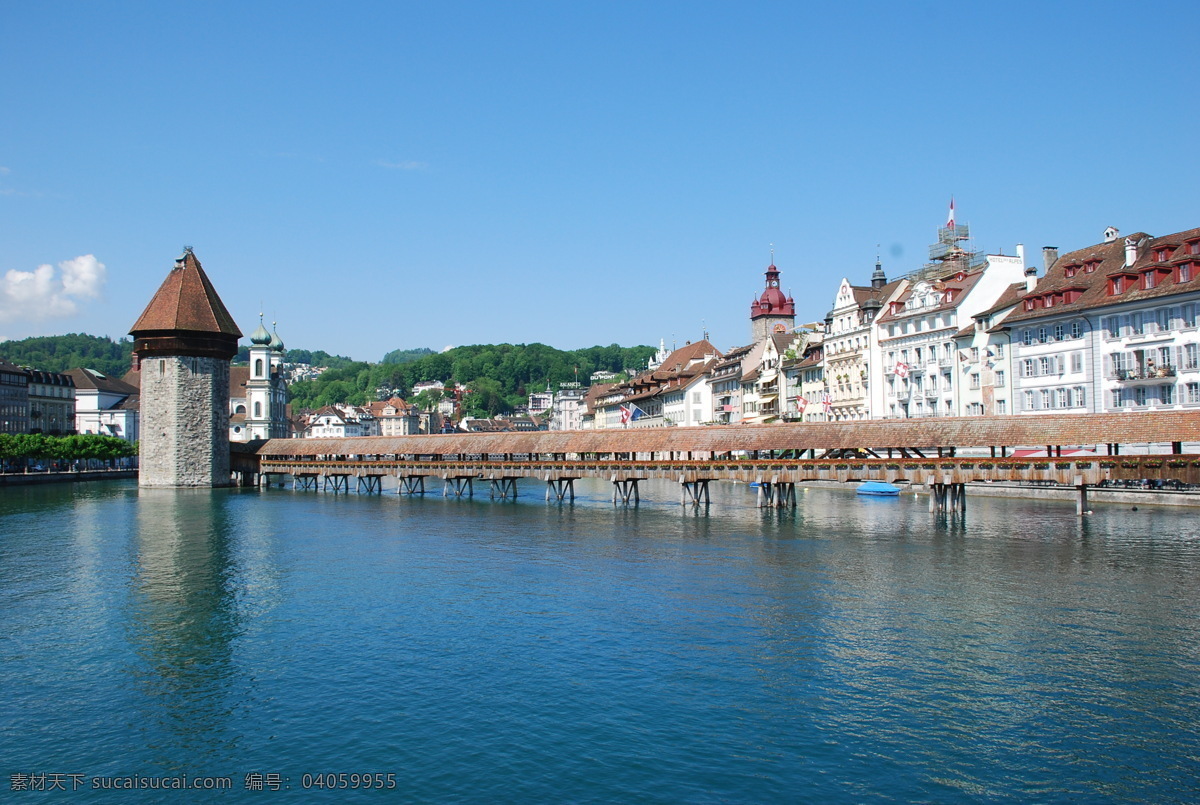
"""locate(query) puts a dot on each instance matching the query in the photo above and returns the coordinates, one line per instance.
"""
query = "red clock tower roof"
(772, 302)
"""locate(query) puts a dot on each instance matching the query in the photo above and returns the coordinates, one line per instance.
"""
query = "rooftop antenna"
(772, 254)
(704, 329)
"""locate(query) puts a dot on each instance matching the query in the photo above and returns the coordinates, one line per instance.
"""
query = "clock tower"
(772, 312)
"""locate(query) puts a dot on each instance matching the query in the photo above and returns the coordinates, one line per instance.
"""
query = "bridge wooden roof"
(1009, 431)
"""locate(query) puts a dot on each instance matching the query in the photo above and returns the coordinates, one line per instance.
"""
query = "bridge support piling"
(626, 489)
(370, 484)
(561, 487)
(1081, 500)
(503, 487)
(694, 492)
(410, 485)
(958, 497)
(776, 494)
(304, 482)
(459, 484)
(946, 496)
(339, 482)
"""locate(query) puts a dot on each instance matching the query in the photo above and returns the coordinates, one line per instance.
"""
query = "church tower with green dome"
(266, 392)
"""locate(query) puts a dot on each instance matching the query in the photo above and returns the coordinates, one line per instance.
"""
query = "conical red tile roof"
(186, 302)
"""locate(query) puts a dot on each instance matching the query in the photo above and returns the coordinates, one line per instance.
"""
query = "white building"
(850, 341)
(922, 368)
(331, 423)
(105, 405)
(985, 356)
(1112, 327)
(569, 407)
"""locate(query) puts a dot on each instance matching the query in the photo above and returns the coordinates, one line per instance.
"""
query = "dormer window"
(1091, 266)
(1185, 272)
(1115, 286)
(1071, 271)
(1194, 247)
(1162, 255)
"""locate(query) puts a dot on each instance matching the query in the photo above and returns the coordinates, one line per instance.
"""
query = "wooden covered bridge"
(943, 454)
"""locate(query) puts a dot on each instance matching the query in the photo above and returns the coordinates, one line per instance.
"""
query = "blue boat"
(878, 488)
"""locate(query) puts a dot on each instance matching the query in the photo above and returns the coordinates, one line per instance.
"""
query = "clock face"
(780, 328)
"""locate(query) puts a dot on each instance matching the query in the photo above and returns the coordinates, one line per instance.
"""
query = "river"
(472, 650)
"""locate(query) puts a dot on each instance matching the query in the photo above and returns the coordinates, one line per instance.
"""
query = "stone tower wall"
(762, 327)
(185, 422)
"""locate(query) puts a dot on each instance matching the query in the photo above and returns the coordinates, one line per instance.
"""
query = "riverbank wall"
(33, 478)
(1096, 494)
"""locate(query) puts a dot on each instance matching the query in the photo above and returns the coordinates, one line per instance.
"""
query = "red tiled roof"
(951, 282)
(1013, 431)
(186, 301)
(1111, 260)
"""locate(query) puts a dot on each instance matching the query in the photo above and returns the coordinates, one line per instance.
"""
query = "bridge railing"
(1184, 469)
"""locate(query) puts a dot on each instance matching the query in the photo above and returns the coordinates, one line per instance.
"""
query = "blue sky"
(395, 175)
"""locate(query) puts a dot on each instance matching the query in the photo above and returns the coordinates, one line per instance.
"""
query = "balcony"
(931, 393)
(1142, 373)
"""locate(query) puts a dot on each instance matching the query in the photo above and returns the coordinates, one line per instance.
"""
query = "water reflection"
(183, 621)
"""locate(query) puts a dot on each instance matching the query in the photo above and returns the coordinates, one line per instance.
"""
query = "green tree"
(428, 399)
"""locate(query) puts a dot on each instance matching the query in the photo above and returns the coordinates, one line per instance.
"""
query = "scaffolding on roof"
(949, 255)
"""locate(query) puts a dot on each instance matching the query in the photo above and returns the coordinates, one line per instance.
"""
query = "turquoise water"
(853, 650)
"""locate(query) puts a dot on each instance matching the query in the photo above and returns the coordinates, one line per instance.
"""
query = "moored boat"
(880, 488)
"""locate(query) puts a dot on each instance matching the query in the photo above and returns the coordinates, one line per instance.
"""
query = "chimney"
(1031, 279)
(1131, 251)
(1021, 252)
(1049, 256)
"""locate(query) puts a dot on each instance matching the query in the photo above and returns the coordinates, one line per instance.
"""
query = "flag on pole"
(901, 369)
(801, 404)
(950, 219)
(827, 402)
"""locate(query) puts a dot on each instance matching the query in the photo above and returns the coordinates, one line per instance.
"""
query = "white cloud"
(48, 293)
(410, 165)
(4, 171)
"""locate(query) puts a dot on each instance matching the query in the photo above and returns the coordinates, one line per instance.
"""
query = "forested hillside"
(60, 353)
(499, 375)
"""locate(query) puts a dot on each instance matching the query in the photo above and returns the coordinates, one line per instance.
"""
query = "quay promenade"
(941, 454)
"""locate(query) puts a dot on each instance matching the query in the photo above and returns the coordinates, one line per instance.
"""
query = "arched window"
(257, 410)
(241, 409)
(258, 368)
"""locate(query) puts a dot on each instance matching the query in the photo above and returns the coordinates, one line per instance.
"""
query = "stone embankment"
(1096, 494)
(31, 478)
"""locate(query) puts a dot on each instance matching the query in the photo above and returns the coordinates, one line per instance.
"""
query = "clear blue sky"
(395, 175)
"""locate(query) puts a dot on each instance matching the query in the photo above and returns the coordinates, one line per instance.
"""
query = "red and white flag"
(827, 402)
(801, 404)
(950, 219)
(901, 369)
